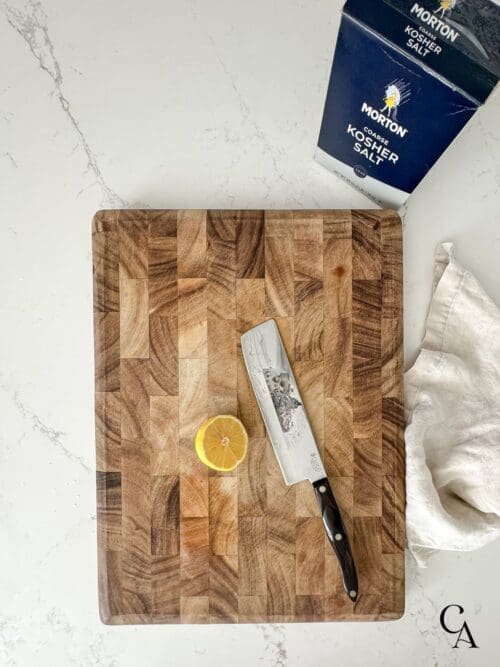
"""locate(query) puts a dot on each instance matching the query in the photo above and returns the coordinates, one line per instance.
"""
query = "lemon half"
(221, 442)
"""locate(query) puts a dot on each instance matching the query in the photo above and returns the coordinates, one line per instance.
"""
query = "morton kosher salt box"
(406, 77)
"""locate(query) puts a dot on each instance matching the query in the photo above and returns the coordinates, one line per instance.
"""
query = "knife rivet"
(338, 536)
(353, 593)
(322, 489)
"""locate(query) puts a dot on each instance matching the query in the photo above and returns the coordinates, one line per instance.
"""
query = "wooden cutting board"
(173, 291)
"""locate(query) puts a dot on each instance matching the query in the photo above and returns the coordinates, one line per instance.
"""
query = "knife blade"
(291, 436)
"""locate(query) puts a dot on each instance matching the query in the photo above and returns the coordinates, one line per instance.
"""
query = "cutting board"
(173, 291)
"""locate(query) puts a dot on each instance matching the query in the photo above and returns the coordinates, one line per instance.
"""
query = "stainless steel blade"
(280, 404)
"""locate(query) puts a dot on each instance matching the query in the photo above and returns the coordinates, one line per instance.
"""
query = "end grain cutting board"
(173, 291)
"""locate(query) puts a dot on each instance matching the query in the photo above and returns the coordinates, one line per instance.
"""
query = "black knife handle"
(337, 535)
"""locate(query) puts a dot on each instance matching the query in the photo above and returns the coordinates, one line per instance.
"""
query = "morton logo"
(437, 24)
(396, 93)
(445, 6)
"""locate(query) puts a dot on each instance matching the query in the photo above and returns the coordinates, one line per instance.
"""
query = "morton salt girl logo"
(369, 142)
(396, 93)
(445, 6)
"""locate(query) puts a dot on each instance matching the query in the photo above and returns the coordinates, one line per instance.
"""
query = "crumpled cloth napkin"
(452, 398)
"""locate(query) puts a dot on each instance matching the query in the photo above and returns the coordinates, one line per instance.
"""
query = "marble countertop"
(182, 104)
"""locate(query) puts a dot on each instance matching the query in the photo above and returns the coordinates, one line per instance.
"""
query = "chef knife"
(291, 436)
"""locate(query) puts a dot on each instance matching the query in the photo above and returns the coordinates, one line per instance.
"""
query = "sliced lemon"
(221, 442)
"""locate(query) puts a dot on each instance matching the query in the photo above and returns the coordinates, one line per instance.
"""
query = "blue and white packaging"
(406, 77)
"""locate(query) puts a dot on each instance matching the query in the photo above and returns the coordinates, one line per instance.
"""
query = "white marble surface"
(173, 103)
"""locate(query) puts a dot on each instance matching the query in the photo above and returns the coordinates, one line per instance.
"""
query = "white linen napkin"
(452, 398)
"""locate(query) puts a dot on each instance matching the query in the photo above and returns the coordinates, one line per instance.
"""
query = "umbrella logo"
(445, 6)
(396, 93)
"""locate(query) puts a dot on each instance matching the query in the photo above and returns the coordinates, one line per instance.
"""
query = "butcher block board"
(173, 291)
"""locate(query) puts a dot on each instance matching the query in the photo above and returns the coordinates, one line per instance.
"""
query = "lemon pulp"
(221, 442)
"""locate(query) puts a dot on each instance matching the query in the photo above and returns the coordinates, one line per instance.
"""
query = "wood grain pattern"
(163, 356)
(134, 321)
(173, 292)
